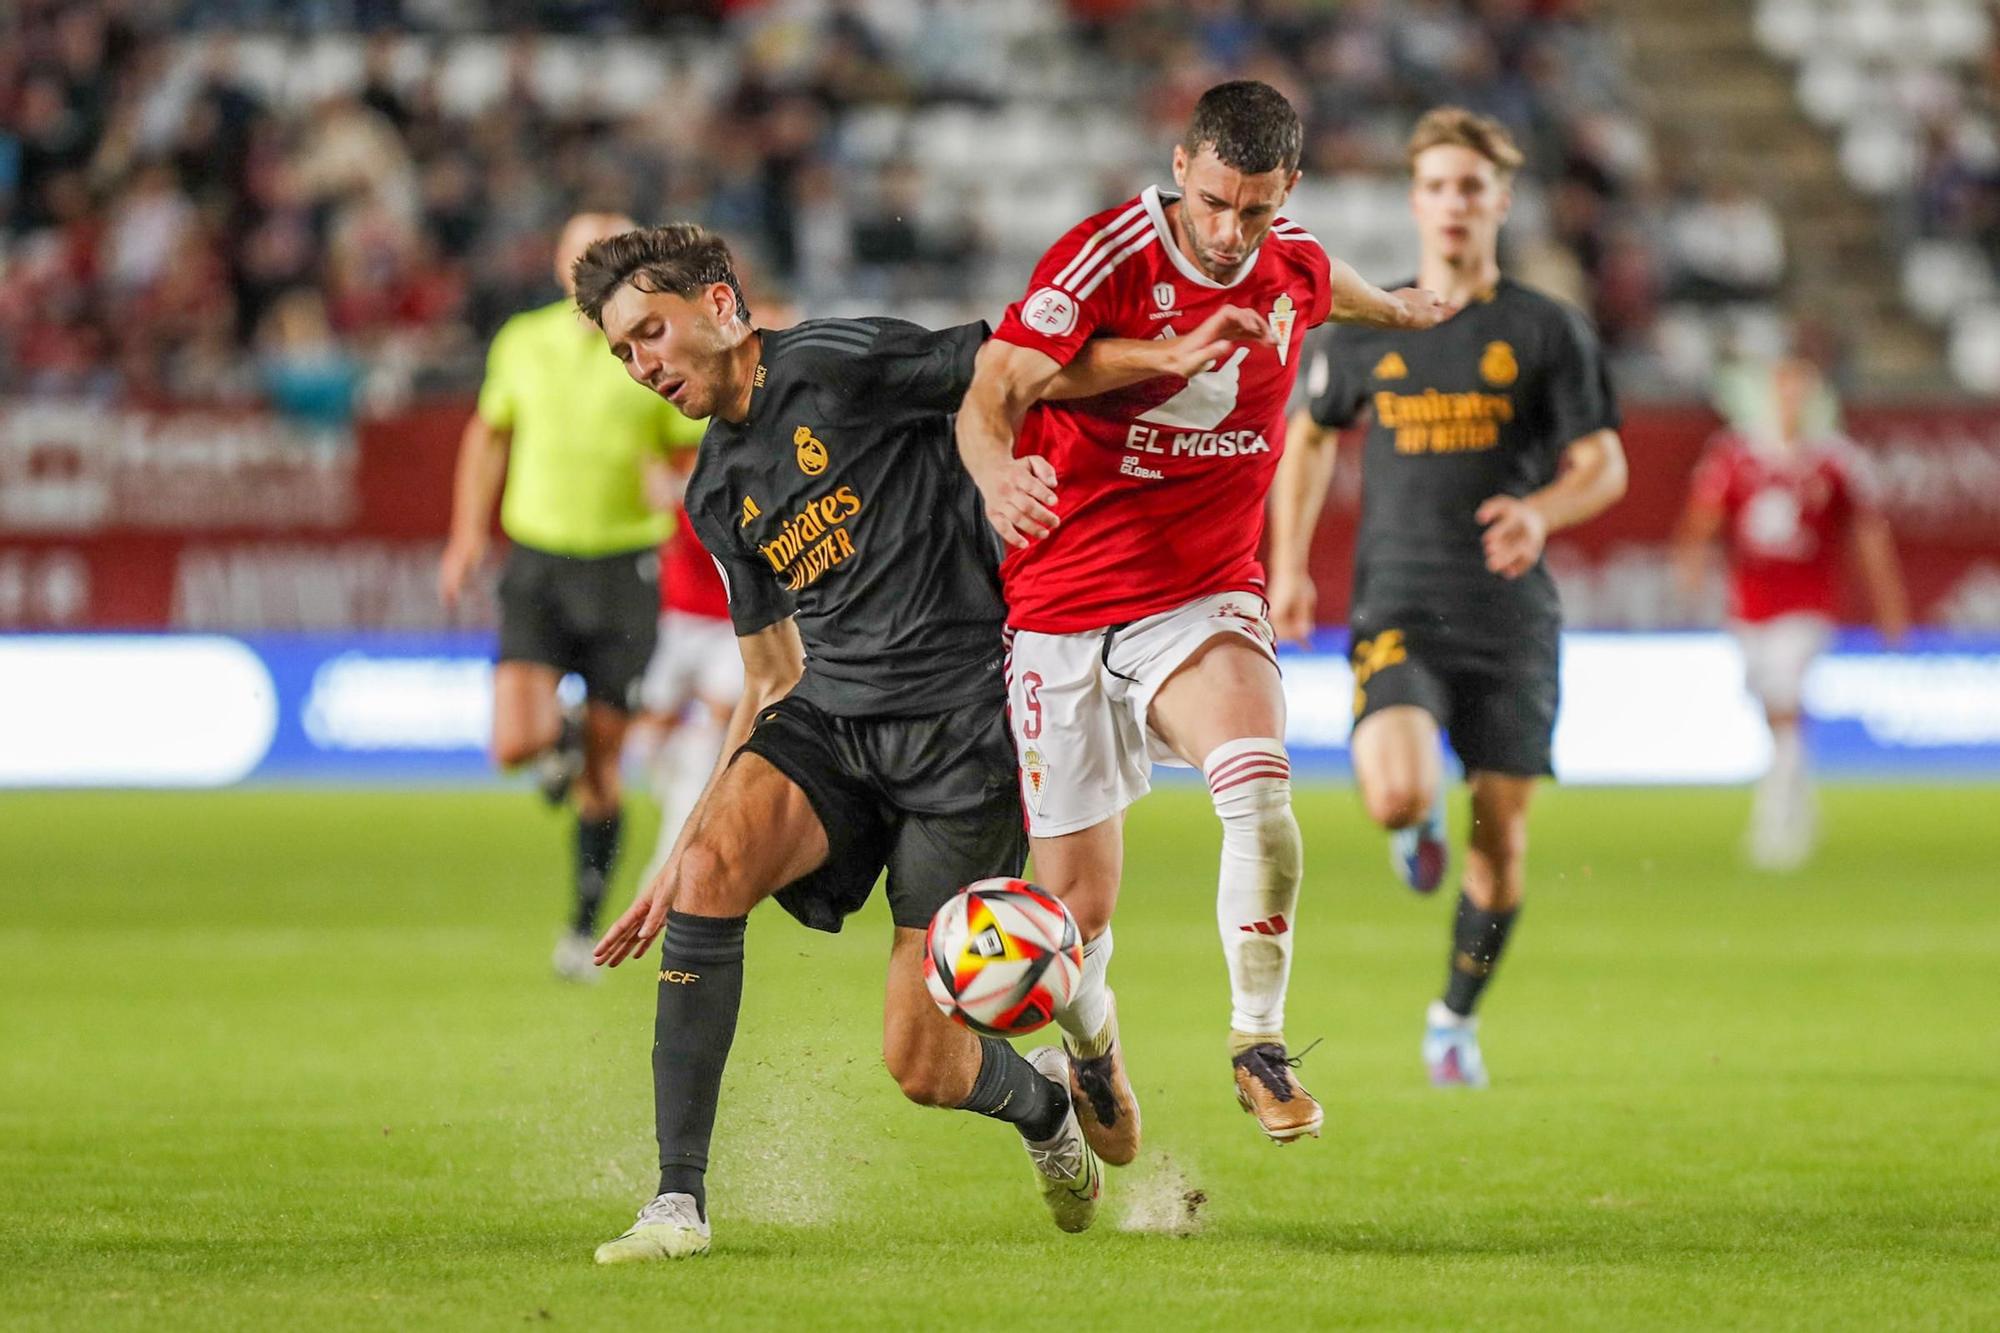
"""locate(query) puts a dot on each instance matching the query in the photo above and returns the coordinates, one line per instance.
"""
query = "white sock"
(1257, 892)
(681, 765)
(1089, 1009)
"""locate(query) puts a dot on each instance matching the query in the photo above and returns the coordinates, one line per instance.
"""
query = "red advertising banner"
(196, 520)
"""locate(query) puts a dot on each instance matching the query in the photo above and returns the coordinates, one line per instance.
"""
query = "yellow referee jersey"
(582, 432)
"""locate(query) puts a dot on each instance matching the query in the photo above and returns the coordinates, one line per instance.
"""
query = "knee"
(1091, 906)
(511, 747)
(709, 882)
(1396, 803)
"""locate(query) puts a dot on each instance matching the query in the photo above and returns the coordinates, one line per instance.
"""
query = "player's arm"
(1694, 537)
(1020, 493)
(1875, 550)
(475, 488)
(1593, 478)
(1106, 364)
(1298, 493)
(1359, 301)
(773, 660)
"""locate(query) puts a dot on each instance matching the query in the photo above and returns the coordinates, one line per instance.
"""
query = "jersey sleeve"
(1578, 382)
(1071, 292)
(496, 391)
(913, 365)
(1336, 385)
(756, 601)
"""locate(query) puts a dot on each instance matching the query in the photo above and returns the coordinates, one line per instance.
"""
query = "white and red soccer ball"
(1002, 956)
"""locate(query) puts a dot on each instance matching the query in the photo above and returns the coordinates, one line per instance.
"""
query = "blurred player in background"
(1786, 493)
(573, 438)
(1489, 432)
(693, 682)
(1134, 593)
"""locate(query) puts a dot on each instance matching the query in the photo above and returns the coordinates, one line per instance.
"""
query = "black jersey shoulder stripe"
(852, 325)
(827, 344)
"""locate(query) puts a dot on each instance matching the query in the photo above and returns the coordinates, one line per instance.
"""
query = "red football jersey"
(1161, 485)
(1785, 517)
(689, 581)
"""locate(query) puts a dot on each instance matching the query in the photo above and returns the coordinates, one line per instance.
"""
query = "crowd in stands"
(330, 204)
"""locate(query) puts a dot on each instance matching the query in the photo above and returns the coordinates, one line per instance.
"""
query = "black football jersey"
(1482, 405)
(840, 499)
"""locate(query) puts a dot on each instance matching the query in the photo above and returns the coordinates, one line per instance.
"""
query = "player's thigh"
(951, 780)
(758, 832)
(1079, 762)
(526, 713)
(1227, 689)
(1503, 718)
(1777, 654)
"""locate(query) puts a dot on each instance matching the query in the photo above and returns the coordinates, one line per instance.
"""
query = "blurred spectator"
(1725, 245)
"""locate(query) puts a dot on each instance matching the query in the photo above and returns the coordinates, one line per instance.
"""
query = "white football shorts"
(697, 660)
(1078, 706)
(1777, 654)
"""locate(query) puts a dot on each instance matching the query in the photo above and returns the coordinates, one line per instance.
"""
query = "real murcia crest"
(1036, 770)
(1283, 313)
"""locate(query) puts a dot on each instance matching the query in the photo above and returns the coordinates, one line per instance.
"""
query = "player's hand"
(460, 559)
(1191, 353)
(1515, 534)
(633, 932)
(1422, 309)
(1021, 499)
(1294, 601)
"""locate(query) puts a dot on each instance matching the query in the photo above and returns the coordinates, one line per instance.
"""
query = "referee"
(573, 437)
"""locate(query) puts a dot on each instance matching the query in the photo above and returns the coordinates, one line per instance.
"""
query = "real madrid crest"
(1497, 365)
(812, 451)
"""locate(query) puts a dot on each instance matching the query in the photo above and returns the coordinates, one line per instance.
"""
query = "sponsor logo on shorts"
(1371, 656)
(812, 451)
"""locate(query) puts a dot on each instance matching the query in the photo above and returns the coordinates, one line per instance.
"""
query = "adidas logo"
(1270, 925)
(1391, 367)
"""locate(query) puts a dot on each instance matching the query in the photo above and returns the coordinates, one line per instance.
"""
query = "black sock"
(701, 990)
(1476, 941)
(596, 853)
(1009, 1088)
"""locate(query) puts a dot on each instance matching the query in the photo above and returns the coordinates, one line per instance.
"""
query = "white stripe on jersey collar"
(1156, 200)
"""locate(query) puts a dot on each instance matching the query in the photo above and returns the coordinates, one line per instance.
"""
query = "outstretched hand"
(1423, 309)
(1191, 353)
(633, 932)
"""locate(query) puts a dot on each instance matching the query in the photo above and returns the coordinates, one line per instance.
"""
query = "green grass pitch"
(292, 1059)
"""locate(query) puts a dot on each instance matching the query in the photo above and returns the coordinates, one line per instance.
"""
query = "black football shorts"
(1493, 691)
(935, 801)
(598, 617)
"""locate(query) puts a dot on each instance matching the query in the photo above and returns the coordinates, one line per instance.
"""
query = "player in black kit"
(1488, 432)
(864, 586)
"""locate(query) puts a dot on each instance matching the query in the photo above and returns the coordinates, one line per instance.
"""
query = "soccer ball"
(1001, 956)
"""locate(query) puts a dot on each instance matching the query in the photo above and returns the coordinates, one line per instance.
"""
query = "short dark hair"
(1250, 126)
(680, 257)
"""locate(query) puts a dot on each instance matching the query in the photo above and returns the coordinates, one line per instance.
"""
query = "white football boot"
(670, 1227)
(572, 959)
(1066, 1167)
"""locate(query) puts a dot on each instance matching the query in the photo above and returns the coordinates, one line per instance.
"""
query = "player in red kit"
(1786, 495)
(1135, 608)
(692, 683)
